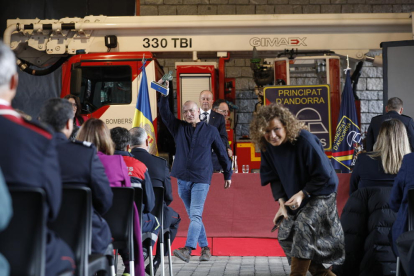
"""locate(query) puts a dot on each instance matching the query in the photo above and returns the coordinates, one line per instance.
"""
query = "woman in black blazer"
(380, 167)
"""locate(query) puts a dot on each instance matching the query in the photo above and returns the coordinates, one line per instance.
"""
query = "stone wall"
(212, 7)
(370, 83)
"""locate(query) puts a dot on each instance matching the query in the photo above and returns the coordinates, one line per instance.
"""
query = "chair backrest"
(120, 218)
(74, 223)
(410, 209)
(23, 242)
(158, 210)
(138, 201)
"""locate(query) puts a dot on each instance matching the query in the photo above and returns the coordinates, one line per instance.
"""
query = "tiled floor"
(231, 266)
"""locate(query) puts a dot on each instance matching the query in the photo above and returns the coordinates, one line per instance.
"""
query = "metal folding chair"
(120, 219)
(74, 226)
(158, 212)
(23, 242)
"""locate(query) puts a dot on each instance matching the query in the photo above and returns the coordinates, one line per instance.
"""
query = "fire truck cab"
(102, 56)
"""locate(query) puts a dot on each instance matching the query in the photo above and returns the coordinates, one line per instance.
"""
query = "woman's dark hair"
(78, 109)
(121, 137)
(56, 112)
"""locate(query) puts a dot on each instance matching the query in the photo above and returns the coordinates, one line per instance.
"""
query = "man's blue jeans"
(194, 195)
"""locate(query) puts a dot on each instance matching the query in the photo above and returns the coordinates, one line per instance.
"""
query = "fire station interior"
(304, 62)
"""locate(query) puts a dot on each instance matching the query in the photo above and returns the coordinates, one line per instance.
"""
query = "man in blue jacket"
(193, 169)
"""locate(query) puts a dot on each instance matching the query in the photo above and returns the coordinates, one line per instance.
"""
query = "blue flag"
(348, 134)
(143, 117)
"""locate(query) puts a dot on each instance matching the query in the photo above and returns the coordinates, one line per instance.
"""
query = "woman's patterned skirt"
(314, 232)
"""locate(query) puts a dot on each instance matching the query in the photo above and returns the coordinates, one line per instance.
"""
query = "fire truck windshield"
(105, 85)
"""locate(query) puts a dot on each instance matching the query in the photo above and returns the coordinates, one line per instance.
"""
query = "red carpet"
(238, 220)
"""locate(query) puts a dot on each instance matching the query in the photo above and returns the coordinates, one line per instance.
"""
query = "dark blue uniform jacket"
(375, 125)
(160, 177)
(29, 159)
(369, 172)
(399, 197)
(80, 165)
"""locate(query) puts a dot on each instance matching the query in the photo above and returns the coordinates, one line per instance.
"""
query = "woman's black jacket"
(367, 221)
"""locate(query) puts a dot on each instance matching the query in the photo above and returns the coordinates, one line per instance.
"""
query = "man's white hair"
(7, 65)
(138, 136)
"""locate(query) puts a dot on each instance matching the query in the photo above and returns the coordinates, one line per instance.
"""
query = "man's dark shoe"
(183, 254)
(145, 254)
(157, 263)
(205, 254)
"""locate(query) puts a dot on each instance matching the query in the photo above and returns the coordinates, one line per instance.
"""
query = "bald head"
(191, 112)
(206, 100)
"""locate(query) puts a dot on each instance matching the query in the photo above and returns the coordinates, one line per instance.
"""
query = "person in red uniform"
(29, 159)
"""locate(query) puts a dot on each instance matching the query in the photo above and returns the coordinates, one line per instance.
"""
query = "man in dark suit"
(221, 107)
(394, 109)
(140, 176)
(215, 119)
(80, 165)
(160, 177)
(29, 159)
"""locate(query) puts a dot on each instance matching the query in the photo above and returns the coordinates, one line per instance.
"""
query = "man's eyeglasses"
(223, 111)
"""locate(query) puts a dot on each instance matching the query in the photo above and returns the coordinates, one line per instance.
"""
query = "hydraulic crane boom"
(40, 42)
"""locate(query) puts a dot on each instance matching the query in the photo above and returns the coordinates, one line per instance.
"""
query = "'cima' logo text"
(276, 42)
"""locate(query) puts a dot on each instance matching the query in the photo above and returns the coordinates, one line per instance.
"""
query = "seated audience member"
(366, 217)
(6, 212)
(78, 119)
(399, 199)
(29, 159)
(79, 165)
(380, 167)
(160, 177)
(394, 110)
(96, 132)
(139, 174)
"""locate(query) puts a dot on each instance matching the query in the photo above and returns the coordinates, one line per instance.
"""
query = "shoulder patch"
(33, 125)
(87, 144)
(39, 124)
(83, 143)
